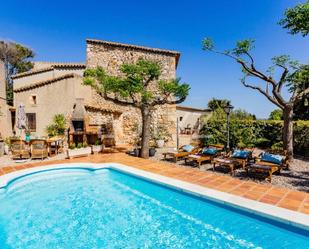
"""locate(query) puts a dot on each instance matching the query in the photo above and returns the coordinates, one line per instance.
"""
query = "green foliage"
(299, 79)
(133, 86)
(214, 103)
(85, 144)
(79, 145)
(57, 127)
(243, 47)
(296, 19)
(276, 114)
(16, 58)
(98, 142)
(242, 115)
(72, 146)
(161, 133)
(208, 44)
(301, 109)
(255, 133)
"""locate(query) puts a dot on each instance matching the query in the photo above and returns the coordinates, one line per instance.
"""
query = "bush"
(57, 127)
(259, 133)
(79, 145)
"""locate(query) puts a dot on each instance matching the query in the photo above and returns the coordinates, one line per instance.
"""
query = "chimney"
(79, 111)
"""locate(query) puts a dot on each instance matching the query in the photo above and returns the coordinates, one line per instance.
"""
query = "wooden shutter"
(31, 120)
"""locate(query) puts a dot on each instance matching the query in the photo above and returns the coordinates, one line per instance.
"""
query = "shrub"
(72, 146)
(259, 133)
(57, 127)
(79, 145)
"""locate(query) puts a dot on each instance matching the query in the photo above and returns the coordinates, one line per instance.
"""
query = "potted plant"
(81, 149)
(161, 135)
(152, 148)
(7, 144)
(97, 147)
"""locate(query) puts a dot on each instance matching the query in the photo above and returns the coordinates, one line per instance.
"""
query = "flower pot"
(6, 149)
(78, 152)
(160, 143)
(96, 148)
(152, 152)
(137, 152)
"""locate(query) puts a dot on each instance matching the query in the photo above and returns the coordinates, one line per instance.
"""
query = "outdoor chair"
(268, 164)
(19, 149)
(234, 160)
(205, 154)
(183, 151)
(39, 148)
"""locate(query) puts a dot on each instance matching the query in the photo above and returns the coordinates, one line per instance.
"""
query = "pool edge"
(293, 218)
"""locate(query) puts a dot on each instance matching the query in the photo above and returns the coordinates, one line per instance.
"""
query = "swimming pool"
(105, 208)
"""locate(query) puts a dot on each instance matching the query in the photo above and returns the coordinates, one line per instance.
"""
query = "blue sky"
(56, 31)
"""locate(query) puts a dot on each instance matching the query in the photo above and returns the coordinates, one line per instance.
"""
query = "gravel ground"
(297, 177)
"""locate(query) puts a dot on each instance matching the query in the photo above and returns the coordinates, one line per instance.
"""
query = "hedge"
(256, 133)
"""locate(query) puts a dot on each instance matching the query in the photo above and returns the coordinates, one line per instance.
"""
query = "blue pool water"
(108, 209)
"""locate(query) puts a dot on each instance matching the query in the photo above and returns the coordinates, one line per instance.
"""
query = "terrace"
(266, 193)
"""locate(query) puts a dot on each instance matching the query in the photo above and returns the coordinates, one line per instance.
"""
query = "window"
(31, 121)
(33, 100)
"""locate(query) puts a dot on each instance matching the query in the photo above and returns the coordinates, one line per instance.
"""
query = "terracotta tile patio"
(285, 198)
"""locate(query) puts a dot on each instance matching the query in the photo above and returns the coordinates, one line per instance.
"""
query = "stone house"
(189, 122)
(56, 88)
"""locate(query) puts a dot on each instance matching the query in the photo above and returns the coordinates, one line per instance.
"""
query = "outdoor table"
(57, 145)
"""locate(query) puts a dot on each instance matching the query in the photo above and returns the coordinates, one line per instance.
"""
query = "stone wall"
(111, 56)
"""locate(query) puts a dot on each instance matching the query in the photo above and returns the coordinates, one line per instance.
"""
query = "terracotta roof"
(45, 82)
(50, 68)
(154, 50)
(69, 65)
(36, 71)
(189, 108)
(112, 108)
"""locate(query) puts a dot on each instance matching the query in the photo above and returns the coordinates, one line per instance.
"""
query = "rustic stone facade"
(53, 88)
(111, 56)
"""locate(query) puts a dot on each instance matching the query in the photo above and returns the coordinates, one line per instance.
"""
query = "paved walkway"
(285, 198)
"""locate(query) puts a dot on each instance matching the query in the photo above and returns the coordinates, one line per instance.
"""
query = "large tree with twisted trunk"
(140, 87)
(292, 76)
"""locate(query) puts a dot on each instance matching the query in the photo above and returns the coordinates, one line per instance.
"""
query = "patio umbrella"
(21, 117)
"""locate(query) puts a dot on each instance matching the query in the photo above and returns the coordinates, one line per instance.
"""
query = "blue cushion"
(267, 157)
(243, 154)
(187, 148)
(209, 151)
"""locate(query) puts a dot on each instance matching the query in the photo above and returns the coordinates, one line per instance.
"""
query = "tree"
(16, 58)
(214, 103)
(242, 115)
(296, 19)
(301, 80)
(276, 114)
(291, 76)
(139, 87)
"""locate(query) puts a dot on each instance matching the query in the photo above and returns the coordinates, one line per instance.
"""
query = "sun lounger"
(236, 159)
(181, 153)
(19, 149)
(267, 164)
(204, 155)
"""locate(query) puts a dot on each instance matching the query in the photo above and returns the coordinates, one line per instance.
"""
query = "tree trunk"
(288, 131)
(145, 132)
